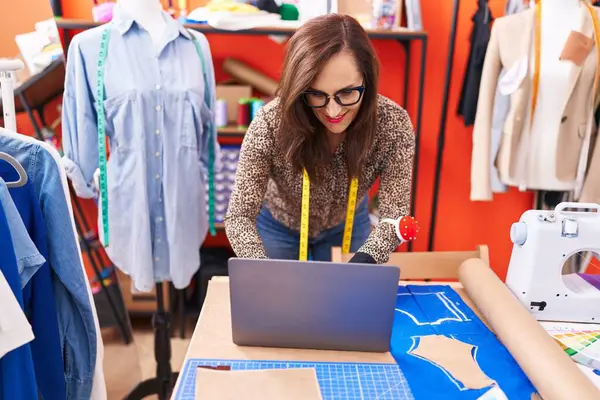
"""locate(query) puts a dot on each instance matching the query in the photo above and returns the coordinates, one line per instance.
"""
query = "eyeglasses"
(344, 97)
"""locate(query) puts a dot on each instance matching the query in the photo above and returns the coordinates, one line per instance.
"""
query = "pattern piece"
(455, 358)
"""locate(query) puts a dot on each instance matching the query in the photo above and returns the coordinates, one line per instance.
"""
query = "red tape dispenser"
(406, 227)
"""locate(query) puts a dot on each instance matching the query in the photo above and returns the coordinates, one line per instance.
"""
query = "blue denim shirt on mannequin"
(157, 128)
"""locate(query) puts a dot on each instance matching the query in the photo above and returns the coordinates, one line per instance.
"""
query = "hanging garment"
(510, 44)
(17, 375)
(500, 112)
(38, 294)
(15, 330)
(158, 128)
(99, 384)
(76, 313)
(480, 36)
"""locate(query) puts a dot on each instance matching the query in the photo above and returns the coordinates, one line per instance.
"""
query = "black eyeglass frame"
(361, 91)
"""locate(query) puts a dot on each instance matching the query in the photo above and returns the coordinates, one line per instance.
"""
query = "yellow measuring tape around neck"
(305, 215)
(537, 54)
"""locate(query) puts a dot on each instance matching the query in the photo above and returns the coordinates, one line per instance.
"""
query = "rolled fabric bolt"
(221, 113)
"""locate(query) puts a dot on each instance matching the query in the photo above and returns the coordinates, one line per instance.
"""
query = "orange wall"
(462, 224)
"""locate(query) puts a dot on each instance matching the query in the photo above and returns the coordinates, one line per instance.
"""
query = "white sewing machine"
(543, 241)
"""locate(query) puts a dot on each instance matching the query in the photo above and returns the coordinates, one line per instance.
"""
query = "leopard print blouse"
(264, 175)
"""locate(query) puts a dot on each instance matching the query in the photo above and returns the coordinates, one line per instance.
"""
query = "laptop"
(312, 304)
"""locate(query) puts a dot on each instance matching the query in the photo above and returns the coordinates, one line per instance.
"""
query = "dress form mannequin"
(558, 19)
(156, 120)
(148, 14)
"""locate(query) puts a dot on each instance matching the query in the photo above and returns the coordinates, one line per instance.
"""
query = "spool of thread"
(243, 119)
(221, 113)
(256, 105)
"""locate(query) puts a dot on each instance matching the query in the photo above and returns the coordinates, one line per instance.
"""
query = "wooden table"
(212, 336)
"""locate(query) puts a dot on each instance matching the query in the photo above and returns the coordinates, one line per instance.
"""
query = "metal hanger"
(23, 178)
(7, 67)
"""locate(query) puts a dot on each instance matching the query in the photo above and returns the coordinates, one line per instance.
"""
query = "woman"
(329, 121)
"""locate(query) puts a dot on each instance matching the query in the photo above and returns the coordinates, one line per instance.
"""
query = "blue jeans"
(282, 243)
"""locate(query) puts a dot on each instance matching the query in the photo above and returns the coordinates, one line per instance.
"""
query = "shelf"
(40, 88)
(231, 131)
(399, 34)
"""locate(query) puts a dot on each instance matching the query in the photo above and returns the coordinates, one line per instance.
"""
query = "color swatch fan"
(580, 342)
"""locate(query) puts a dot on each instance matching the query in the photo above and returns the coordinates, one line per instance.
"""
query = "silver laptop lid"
(314, 305)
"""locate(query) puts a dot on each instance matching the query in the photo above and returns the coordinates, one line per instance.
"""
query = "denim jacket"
(75, 315)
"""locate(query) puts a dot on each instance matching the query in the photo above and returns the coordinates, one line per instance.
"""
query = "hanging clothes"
(78, 328)
(158, 128)
(480, 37)
(500, 112)
(17, 374)
(38, 292)
(15, 330)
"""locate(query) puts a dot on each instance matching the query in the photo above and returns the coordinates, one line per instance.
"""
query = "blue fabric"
(157, 124)
(439, 310)
(29, 258)
(17, 375)
(75, 316)
(283, 243)
(38, 295)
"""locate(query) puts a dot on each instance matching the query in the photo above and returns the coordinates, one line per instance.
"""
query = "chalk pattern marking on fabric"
(458, 315)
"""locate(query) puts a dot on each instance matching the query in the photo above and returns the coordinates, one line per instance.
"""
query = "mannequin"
(543, 153)
(150, 83)
(558, 19)
(147, 13)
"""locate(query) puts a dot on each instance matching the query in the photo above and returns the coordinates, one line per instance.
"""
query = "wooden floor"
(126, 365)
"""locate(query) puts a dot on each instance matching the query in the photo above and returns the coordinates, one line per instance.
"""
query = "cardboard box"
(232, 93)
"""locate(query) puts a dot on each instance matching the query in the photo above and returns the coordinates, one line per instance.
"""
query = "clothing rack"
(31, 97)
(442, 131)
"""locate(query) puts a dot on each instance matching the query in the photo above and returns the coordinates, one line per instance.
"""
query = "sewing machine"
(543, 241)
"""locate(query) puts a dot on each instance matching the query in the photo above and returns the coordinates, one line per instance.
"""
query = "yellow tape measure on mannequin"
(596, 25)
(347, 239)
(537, 58)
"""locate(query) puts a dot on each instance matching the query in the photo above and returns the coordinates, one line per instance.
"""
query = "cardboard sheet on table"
(266, 384)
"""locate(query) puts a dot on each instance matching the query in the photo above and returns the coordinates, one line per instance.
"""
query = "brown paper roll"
(548, 367)
(244, 74)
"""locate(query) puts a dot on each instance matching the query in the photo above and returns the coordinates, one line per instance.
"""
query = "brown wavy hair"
(300, 135)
